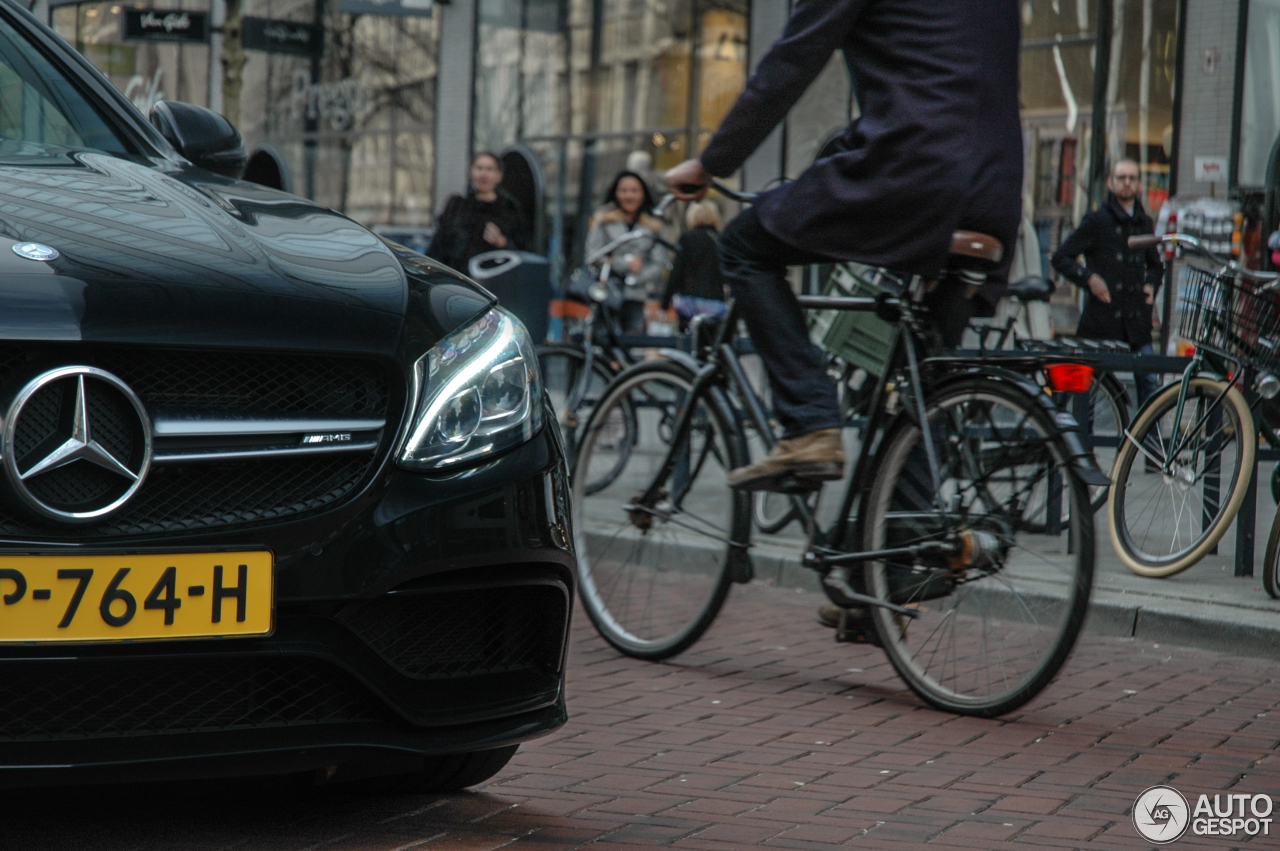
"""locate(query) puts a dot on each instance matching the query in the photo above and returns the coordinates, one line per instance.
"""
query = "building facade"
(375, 107)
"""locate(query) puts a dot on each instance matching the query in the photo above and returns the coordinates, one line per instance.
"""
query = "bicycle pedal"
(796, 486)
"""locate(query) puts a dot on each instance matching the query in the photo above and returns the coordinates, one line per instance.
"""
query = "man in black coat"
(938, 146)
(1120, 282)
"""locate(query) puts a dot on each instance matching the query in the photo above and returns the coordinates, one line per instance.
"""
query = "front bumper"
(424, 616)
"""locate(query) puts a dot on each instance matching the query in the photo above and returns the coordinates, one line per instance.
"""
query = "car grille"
(135, 697)
(204, 494)
(278, 384)
(447, 634)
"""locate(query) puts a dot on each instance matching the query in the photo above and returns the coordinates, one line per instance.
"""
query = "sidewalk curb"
(1156, 618)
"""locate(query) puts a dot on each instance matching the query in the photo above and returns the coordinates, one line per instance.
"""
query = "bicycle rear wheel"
(653, 577)
(992, 626)
(1165, 520)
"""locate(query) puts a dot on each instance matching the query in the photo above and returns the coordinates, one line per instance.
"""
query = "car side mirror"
(202, 136)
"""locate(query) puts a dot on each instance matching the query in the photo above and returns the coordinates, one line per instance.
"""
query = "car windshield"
(41, 106)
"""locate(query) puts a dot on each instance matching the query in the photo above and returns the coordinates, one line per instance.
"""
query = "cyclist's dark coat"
(1103, 239)
(938, 145)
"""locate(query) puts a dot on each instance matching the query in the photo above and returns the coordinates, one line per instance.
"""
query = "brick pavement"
(765, 734)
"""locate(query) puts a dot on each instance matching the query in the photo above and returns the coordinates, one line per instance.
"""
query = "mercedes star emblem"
(35, 251)
(77, 444)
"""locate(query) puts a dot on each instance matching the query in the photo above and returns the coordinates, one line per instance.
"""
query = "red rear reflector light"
(1069, 377)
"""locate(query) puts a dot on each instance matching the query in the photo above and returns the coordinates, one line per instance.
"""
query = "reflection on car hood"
(186, 257)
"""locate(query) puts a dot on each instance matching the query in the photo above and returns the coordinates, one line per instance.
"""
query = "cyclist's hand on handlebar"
(689, 181)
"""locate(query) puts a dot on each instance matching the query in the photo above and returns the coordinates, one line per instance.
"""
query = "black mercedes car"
(278, 496)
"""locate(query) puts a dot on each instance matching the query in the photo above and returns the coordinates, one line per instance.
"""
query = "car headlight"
(477, 392)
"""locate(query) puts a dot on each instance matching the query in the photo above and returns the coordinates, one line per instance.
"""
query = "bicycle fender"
(1080, 458)
(683, 358)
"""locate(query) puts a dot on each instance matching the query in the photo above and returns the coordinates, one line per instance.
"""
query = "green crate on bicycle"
(861, 339)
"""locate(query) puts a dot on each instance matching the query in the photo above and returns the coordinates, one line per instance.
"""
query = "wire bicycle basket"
(1231, 315)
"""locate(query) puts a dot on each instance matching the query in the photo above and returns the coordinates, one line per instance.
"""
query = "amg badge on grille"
(312, 439)
(77, 444)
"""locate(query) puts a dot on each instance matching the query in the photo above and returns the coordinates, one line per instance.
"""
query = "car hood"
(176, 255)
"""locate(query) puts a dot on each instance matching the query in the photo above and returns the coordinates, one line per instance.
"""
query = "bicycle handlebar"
(1145, 241)
(731, 194)
(661, 209)
(1182, 240)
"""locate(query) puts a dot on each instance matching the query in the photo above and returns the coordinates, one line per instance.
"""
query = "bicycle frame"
(723, 366)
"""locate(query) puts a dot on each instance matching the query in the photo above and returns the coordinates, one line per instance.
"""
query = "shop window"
(1260, 110)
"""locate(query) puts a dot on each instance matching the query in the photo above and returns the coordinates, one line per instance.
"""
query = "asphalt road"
(766, 734)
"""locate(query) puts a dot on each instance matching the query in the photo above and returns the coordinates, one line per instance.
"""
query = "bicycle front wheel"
(653, 576)
(1271, 562)
(1179, 480)
(989, 626)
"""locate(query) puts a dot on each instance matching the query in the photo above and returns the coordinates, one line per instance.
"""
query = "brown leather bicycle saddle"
(973, 250)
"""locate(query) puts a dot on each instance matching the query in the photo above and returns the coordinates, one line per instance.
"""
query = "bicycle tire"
(1269, 567)
(559, 378)
(561, 365)
(1138, 495)
(1115, 423)
(652, 580)
(986, 636)
(772, 512)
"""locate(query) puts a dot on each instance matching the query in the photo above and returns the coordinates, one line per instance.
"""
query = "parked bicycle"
(1185, 465)
(976, 609)
(576, 373)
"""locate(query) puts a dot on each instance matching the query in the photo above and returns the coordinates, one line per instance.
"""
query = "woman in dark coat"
(484, 220)
(696, 284)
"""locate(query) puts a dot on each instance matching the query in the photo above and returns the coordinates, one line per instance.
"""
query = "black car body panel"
(183, 257)
(415, 613)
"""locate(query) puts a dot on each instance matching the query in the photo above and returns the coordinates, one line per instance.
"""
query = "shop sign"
(165, 25)
(1211, 169)
(386, 7)
(280, 36)
(338, 104)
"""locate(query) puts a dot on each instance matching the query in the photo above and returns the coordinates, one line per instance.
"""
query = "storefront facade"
(374, 107)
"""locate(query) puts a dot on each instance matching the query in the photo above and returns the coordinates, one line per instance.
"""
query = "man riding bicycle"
(937, 147)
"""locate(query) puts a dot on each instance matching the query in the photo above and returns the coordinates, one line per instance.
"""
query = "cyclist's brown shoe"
(796, 464)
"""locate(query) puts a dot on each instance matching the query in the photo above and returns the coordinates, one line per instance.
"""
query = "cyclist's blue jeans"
(755, 265)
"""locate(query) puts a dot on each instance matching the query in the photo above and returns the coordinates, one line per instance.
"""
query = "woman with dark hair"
(641, 262)
(484, 220)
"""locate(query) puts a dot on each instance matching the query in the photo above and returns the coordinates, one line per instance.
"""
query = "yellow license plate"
(52, 598)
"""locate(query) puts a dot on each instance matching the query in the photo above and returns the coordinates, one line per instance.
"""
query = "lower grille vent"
(99, 698)
(447, 634)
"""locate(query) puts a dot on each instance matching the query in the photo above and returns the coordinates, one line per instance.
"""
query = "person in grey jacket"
(641, 262)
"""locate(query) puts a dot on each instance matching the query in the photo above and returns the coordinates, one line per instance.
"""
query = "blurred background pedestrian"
(1120, 283)
(485, 219)
(696, 284)
(640, 262)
